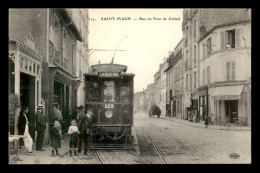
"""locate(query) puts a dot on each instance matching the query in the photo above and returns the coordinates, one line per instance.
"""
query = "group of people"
(154, 110)
(79, 130)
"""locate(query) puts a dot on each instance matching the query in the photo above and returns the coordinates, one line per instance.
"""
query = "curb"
(194, 125)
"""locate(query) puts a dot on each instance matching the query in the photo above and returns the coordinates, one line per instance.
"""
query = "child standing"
(73, 132)
(56, 138)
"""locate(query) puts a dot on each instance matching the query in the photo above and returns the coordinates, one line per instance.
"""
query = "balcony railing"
(57, 58)
(51, 52)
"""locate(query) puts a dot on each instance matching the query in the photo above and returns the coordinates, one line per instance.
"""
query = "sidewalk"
(41, 157)
(200, 124)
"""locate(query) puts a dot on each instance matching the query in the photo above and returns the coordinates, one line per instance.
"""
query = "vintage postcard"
(129, 86)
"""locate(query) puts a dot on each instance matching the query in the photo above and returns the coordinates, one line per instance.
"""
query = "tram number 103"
(109, 106)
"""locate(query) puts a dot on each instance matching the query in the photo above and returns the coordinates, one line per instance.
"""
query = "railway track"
(186, 146)
(144, 160)
(156, 148)
(97, 156)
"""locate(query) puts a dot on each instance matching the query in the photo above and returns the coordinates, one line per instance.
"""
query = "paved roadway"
(182, 143)
(163, 141)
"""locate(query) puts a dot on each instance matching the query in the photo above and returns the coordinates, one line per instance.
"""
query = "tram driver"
(95, 92)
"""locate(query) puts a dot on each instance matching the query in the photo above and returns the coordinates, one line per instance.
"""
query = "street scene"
(129, 86)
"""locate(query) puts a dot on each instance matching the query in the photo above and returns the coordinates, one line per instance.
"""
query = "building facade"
(55, 36)
(226, 70)
(178, 79)
(163, 89)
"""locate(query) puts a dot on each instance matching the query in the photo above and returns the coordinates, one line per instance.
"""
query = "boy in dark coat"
(56, 138)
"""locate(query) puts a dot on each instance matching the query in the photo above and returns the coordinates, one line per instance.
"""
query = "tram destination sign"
(109, 74)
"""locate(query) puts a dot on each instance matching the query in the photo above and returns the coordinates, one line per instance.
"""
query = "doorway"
(27, 97)
(174, 108)
(231, 109)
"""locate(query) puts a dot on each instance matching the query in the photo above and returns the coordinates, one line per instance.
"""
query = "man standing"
(40, 127)
(84, 126)
(23, 129)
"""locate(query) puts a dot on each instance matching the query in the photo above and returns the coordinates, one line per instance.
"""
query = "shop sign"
(202, 93)
(226, 97)
(108, 74)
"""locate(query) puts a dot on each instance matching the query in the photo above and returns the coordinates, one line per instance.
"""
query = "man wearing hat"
(40, 127)
(84, 126)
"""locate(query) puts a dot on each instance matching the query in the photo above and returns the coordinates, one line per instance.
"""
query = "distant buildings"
(208, 74)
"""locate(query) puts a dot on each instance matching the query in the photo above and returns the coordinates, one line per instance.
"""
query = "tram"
(110, 96)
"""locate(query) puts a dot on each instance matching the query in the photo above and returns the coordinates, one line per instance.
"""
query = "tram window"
(109, 91)
(124, 93)
(94, 94)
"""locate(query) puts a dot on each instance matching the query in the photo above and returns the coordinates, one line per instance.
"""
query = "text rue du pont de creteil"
(136, 18)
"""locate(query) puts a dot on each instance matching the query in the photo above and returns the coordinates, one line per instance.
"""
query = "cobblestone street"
(181, 143)
(162, 141)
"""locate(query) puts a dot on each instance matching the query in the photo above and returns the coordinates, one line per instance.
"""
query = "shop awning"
(195, 96)
(227, 93)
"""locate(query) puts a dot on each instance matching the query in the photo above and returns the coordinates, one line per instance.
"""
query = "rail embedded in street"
(156, 148)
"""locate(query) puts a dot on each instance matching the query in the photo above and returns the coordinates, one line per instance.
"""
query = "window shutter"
(190, 82)
(203, 76)
(228, 70)
(222, 40)
(233, 70)
(203, 50)
(237, 37)
(208, 74)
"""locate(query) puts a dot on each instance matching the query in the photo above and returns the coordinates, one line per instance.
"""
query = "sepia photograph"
(127, 86)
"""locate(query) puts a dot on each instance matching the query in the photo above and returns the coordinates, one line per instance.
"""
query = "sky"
(146, 43)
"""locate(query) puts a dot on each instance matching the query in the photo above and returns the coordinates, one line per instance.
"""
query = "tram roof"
(108, 68)
(121, 74)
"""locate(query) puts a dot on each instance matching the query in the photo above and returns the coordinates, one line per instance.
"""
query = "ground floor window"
(231, 109)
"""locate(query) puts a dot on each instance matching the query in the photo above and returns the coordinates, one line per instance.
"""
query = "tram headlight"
(108, 113)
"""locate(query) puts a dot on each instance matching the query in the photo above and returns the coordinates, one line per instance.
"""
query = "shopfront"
(195, 106)
(25, 78)
(203, 103)
(233, 102)
(187, 105)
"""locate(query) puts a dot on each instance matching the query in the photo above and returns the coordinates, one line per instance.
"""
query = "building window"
(38, 69)
(26, 64)
(186, 38)
(208, 74)
(187, 80)
(33, 67)
(230, 70)
(57, 35)
(194, 34)
(65, 51)
(195, 54)
(21, 62)
(186, 61)
(190, 81)
(203, 76)
(194, 80)
(208, 47)
(230, 39)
